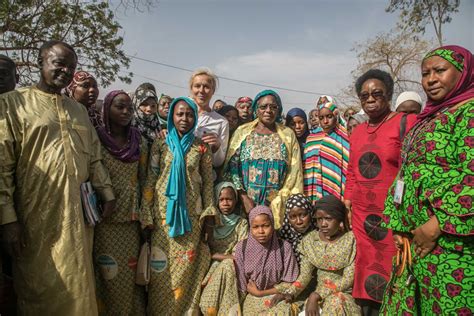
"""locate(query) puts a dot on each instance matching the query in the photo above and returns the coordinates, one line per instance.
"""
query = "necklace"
(379, 125)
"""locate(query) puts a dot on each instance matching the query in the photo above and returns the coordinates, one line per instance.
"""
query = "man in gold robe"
(48, 147)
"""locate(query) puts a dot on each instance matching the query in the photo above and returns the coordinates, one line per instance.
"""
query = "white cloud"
(315, 72)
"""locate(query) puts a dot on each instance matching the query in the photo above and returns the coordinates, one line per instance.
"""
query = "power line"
(177, 86)
(227, 78)
(216, 94)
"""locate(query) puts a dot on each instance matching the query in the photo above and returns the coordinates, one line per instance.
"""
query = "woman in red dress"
(373, 164)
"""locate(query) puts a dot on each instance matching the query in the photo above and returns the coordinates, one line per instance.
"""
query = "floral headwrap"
(79, 77)
(461, 59)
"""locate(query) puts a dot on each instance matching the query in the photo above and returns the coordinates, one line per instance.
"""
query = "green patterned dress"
(439, 178)
(179, 264)
(334, 265)
(220, 295)
(117, 240)
(259, 166)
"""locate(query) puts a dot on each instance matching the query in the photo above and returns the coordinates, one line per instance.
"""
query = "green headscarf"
(227, 222)
(263, 94)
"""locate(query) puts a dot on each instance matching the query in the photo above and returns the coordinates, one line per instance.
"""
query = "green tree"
(88, 26)
(415, 15)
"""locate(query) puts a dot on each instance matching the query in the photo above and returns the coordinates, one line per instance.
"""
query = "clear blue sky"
(303, 45)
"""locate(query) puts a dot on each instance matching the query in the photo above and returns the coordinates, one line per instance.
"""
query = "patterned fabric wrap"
(326, 158)
(264, 264)
(327, 97)
(292, 183)
(287, 232)
(243, 100)
(461, 59)
(177, 216)
(148, 125)
(260, 167)
(262, 94)
(454, 58)
(79, 76)
(438, 175)
(128, 153)
(331, 106)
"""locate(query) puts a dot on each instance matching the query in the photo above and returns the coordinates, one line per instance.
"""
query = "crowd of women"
(251, 212)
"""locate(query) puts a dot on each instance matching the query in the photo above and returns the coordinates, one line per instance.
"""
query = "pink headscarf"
(464, 89)
(130, 152)
(266, 265)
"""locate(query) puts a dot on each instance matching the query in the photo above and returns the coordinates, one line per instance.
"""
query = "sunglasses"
(377, 95)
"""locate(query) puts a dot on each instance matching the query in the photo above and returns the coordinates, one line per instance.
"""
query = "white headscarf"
(408, 96)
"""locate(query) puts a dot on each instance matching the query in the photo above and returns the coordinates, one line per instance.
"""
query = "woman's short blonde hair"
(207, 72)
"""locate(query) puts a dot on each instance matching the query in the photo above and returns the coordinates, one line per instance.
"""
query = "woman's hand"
(247, 202)
(208, 231)
(252, 289)
(277, 298)
(425, 237)
(398, 240)
(146, 232)
(162, 134)
(212, 140)
(312, 305)
(348, 205)
(108, 208)
(221, 257)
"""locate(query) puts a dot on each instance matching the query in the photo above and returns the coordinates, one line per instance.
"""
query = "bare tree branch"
(395, 52)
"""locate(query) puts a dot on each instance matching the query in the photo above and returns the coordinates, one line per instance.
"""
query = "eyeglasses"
(377, 95)
(273, 107)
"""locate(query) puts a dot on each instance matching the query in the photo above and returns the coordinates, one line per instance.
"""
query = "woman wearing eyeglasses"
(264, 159)
(373, 164)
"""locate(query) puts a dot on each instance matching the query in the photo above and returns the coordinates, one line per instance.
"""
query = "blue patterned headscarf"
(263, 94)
(177, 216)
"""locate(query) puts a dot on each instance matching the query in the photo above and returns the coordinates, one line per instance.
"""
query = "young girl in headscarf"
(220, 295)
(299, 221)
(178, 201)
(117, 239)
(263, 262)
(297, 120)
(83, 88)
(330, 251)
(326, 156)
(145, 113)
